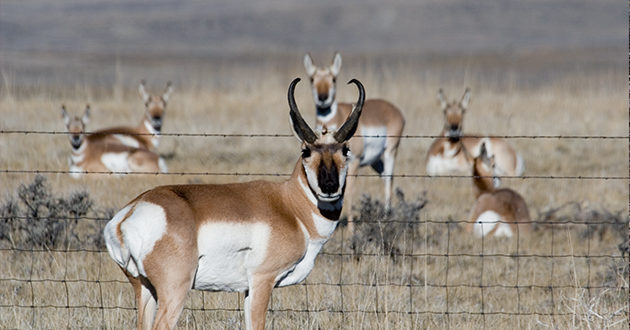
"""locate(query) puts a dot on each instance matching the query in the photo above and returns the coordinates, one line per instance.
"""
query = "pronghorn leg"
(175, 284)
(389, 156)
(145, 302)
(353, 168)
(257, 300)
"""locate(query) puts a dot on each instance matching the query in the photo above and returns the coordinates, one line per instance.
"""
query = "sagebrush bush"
(378, 231)
(37, 218)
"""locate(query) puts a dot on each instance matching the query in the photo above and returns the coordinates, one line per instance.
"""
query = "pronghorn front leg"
(389, 156)
(257, 299)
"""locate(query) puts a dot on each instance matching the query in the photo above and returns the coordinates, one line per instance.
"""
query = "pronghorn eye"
(311, 80)
(306, 152)
(345, 150)
(334, 80)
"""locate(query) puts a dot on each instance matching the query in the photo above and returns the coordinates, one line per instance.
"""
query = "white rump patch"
(228, 252)
(140, 231)
(127, 140)
(485, 223)
(373, 147)
(116, 162)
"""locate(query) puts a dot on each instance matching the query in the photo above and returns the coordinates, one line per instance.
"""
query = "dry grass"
(445, 271)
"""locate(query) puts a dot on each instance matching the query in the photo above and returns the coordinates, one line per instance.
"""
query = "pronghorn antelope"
(453, 153)
(497, 212)
(95, 153)
(146, 134)
(247, 237)
(381, 126)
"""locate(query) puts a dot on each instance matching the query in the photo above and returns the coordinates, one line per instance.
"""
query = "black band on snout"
(328, 178)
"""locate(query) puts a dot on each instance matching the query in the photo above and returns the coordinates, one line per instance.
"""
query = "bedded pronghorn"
(248, 237)
(97, 153)
(453, 153)
(497, 212)
(146, 134)
(381, 126)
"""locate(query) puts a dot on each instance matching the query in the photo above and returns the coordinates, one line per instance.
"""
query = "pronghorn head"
(484, 169)
(323, 80)
(155, 105)
(325, 154)
(76, 126)
(453, 113)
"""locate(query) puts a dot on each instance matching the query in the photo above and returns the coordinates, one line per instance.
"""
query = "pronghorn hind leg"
(389, 157)
(378, 165)
(257, 300)
(175, 282)
(145, 300)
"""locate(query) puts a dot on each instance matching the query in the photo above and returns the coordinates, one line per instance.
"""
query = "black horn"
(301, 128)
(350, 126)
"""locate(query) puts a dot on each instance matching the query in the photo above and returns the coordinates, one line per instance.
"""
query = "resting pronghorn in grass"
(146, 134)
(497, 212)
(96, 152)
(381, 126)
(247, 237)
(453, 153)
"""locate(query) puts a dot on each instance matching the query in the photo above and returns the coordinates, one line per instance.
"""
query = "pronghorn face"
(485, 168)
(76, 126)
(323, 80)
(454, 113)
(326, 164)
(325, 155)
(155, 105)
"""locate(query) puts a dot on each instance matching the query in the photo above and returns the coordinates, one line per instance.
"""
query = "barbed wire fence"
(51, 279)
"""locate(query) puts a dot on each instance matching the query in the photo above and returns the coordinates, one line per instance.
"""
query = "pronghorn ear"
(86, 115)
(465, 99)
(483, 152)
(442, 99)
(308, 65)
(300, 128)
(143, 93)
(336, 64)
(167, 91)
(64, 115)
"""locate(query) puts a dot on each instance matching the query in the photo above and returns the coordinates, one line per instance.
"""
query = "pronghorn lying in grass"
(146, 134)
(453, 153)
(248, 237)
(381, 126)
(497, 212)
(97, 153)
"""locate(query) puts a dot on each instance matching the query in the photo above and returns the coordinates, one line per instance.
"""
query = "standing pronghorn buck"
(247, 237)
(146, 134)
(497, 212)
(380, 127)
(453, 153)
(96, 153)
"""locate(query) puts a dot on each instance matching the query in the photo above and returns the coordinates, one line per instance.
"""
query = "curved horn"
(301, 128)
(350, 126)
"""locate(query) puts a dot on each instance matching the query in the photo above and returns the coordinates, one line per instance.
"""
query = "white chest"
(450, 162)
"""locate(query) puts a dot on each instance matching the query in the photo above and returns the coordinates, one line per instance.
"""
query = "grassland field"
(541, 93)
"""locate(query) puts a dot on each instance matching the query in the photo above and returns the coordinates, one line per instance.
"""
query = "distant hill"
(226, 27)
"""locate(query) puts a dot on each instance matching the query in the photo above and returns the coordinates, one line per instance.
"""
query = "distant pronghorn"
(146, 134)
(248, 237)
(381, 120)
(497, 212)
(96, 152)
(453, 153)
